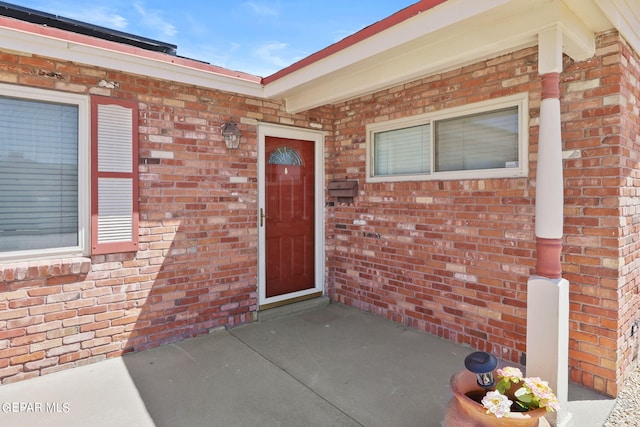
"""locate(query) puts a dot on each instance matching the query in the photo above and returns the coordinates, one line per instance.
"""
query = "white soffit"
(625, 17)
(452, 34)
(178, 70)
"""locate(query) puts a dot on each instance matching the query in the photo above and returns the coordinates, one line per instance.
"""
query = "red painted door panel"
(290, 215)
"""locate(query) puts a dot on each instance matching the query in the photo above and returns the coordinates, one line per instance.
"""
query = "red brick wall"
(196, 267)
(448, 257)
(601, 222)
(629, 286)
(453, 257)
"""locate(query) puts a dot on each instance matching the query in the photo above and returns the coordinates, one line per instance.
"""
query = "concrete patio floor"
(327, 366)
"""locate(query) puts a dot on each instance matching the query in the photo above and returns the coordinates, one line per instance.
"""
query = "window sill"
(455, 176)
(43, 269)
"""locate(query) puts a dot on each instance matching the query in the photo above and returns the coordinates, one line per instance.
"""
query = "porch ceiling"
(449, 35)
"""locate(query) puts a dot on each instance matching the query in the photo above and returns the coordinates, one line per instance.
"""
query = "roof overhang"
(21, 36)
(428, 37)
(445, 36)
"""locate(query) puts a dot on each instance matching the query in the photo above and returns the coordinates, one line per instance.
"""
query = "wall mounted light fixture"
(231, 134)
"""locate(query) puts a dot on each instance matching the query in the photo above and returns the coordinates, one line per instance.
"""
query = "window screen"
(38, 175)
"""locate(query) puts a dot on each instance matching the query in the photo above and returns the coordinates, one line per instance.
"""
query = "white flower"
(497, 404)
(514, 374)
(542, 394)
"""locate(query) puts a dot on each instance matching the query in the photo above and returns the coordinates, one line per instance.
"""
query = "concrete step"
(289, 309)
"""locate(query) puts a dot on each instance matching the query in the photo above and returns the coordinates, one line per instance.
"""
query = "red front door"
(289, 216)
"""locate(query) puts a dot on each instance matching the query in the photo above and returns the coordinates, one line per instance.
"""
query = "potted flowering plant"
(527, 394)
(510, 400)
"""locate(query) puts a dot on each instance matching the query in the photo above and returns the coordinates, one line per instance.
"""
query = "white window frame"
(521, 101)
(82, 102)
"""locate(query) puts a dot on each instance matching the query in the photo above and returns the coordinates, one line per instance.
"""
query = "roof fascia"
(369, 31)
(436, 41)
(441, 16)
(26, 37)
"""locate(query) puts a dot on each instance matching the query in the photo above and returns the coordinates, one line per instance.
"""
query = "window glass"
(285, 156)
(402, 151)
(38, 175)
(478, 141)
(488, 139)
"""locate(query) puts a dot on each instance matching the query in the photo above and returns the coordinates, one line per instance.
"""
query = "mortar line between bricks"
(290, 375)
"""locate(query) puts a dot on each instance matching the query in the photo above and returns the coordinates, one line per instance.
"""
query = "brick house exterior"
(407, 250)
(450, 257)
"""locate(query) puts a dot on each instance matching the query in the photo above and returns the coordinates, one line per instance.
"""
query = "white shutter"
(114, 211)
(115, 218)
(115, 139)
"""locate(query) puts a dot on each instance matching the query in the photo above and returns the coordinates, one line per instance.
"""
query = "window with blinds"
(62, 193)
(478, 141)
(40, 171)
(483, 140)
(402, 151)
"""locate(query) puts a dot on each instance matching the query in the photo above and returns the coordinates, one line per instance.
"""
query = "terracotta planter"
(465, 412)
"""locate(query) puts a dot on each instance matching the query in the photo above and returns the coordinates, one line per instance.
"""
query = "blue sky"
(255, 36)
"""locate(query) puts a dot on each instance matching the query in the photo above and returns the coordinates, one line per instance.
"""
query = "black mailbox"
(344, 190)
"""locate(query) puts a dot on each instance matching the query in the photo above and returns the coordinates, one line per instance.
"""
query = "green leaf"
(503, 385)
(527, 398)
(523, 395)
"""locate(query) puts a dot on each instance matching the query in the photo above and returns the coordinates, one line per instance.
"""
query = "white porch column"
(547, 292)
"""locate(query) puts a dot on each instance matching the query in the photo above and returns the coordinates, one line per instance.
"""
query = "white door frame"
(317, 137)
